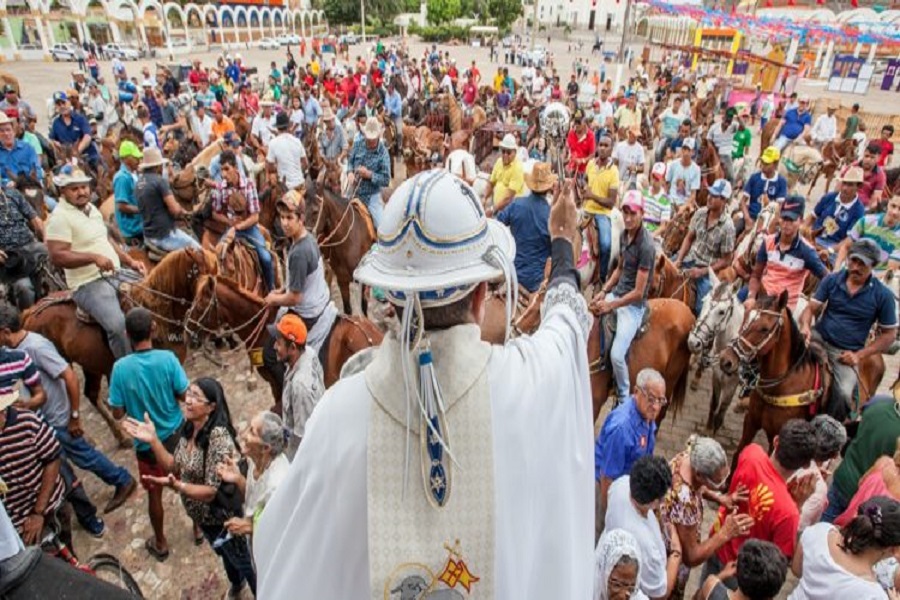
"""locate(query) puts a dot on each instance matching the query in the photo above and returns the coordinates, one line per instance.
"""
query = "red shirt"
(873, 181)
(580, 148)
(453, 73)
(475, 74)
(330, 85)
(377, 78)
(887, 148)
(776, 517)
(469, 93)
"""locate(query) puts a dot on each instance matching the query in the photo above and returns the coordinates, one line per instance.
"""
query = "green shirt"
(851, 126)
(876, 437)
(32, 140)
(742, 141)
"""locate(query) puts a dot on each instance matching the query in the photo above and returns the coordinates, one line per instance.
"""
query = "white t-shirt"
(815, 505)
(537, 84)
(626, 155)
(259, 491)
(621, 514)
(462, 164)
(262, 128)
(286, 152)
(202, 127)
(824, 579)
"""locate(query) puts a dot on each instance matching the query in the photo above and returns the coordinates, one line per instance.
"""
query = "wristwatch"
(74, 414)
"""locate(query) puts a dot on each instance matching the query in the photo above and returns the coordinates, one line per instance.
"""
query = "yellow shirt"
(86, 233)
(498, 82)
(507, 178)
(599, 181)
(314, 67)
(625, 117)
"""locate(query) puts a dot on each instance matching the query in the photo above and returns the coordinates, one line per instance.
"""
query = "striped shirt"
(15, 366)
(27, 444)
(888, 238)
(657, 209)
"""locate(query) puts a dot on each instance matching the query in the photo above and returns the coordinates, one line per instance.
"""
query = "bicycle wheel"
(108, 568)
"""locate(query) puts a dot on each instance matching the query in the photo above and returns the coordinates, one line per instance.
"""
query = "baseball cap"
(633, 200)
(231, 139)
(793, 207)
(720, 188)
(130, 149)
(9, 88)
(659, 170)
(60, 97)
(216, 107)
(689, 143)
(770, 155)
(290, 327)
(866, 250)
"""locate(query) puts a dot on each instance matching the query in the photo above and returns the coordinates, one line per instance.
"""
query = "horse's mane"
(798, 344)
(169, 277)
(239, 290)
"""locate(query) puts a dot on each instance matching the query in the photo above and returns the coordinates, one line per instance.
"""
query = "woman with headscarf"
(618, 560)
(208, 440)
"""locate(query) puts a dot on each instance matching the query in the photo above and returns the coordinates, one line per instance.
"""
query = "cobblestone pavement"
(195, 572)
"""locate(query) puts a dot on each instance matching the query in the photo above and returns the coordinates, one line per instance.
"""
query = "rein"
(260, 318)
(702, 329)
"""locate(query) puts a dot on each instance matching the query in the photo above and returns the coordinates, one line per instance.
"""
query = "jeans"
(762, 125)
(85, 456)
(376, 208)
(604, 243)
(236, 558)
(100, 299)
(837, 504)
(742, 294)
(843, 384)
(781, 142)
(175, 240)
(727, 166)
(255, 237)
(84, 509)
(703, 286)
(628, 320)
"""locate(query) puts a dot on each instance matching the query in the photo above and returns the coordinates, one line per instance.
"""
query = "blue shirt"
(21, 159)
(625, 437)
(73, 133)
(830, 213)
(377, 161)
(757, 185)
(846, 321)
(148, 382)
(154, 108)
(131, 225)
(312, 110)
(233, 72)
(528, 218)
(794, 123)
(151, 136)
(393, 105)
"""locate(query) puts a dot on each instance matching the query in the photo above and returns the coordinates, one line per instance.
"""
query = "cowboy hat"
(508, 142)
(852, 175)
(152, 158)
(70, 175)
(541, 178)
(372, 130)
(327, 114)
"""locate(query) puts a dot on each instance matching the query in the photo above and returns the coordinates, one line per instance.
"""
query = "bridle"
(747, 351)
(193, 327)
(702, 328)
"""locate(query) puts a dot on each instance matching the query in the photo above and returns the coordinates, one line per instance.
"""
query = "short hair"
(650, 479)
(143, 112)
(706, 455)
(796, 444)
(761, 569)
(687, 123)
(647, 376)
(830, 437)
(889, 128)
(228, 158)
(876, 525)
(874, 148)
(856, 106)
(138, 323)
(272, 432)
(10, 317)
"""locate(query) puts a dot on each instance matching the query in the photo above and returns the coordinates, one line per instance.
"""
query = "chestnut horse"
(167, 292)
(222, 307)
(836, 154)
(669, 282)
(792, 377)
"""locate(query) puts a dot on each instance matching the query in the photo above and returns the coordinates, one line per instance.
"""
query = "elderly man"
(370, 165)
(332, 140)
(709, 244)
(625, 292)
(628, 433)
(17, 157)
(71, 128)
(79, 242)
(356, 446)
(507, 177)
(159, 208)
(262, 127)
(303, 381)
(527, 219)
(794, 125)
(286, 155)
(846, 305)
(825, 128)
(837, 212)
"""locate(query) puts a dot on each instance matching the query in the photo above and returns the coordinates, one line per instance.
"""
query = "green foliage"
(439, 34)
(504, 12)
(346, 12)
(412, 6)
(443, 11)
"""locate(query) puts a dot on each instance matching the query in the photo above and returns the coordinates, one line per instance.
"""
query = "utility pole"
(362, 13)
(534, 24)
(624, 31)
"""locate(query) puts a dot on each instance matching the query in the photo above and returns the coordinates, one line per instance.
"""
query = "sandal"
(160, 555)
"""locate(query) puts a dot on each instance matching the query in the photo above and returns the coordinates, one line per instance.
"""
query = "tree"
(346, 12)
(504, 12)
(443, 11)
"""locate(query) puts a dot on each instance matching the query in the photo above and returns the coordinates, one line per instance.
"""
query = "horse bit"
(746, 351)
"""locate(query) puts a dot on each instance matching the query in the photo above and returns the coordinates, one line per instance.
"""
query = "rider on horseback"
(127, 211)
(72, 128)
(21, 254)
(159, 207)
(628, 286)
(79, 242)
(600, 198)
(764, 186)
(883, 229)
(837, 212)
(846, 306)
(794, 125)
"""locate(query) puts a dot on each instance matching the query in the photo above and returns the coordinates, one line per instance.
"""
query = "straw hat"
(372, 130)
(541, 179)
(327, 114)
(508, 142)
(70, 175)
(852, 175)
(152, 158)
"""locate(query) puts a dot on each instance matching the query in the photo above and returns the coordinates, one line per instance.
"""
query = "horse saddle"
(608, 323)
(62, 297)
(154, 252)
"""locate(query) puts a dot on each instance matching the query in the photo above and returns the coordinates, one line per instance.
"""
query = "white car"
(288, 39)
(63, 52)
(268, 44)
(121, 51)
(349, 39)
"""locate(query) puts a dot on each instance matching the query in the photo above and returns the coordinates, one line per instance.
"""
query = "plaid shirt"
(222, 191)
(377, 161)
(710, 244)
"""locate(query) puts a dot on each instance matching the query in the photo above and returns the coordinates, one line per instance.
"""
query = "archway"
(176, 25)
(255, 27)
(123, 23)
(241, 24)
(154, 25)
(278, 22)
(96, 22)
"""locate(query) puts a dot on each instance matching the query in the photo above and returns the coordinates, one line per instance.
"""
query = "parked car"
(63, 52)
(349, 39)
(268, 44)
(288, 39)
(121, 51)
(30, 46)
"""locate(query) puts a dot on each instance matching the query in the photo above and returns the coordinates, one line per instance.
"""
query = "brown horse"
(793, 381)
(676, 230)
(222, 307)
(344, 229)
(767, 135)
(669, 282)
(710, 168)
(167, 292)
(836, 154)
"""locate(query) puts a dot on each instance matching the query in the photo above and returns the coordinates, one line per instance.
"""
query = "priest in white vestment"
(447, 468)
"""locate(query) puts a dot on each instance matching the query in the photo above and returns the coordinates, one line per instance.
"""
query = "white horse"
(799, 164)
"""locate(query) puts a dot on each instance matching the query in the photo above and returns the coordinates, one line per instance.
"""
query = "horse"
(793, 379)
(836, 154)
(343, 228)
(799, 164)
(767, 134)
(669, 282)
(221, 307)
(167, 292)
(710, 168)
(677, 229)
(719, 323)
(29, 184)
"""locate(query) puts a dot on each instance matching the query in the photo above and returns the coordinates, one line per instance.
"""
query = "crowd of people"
(327, 482)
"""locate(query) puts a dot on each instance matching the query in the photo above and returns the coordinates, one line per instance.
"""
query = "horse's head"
(759, 334)
(664, 271)
(718, 308)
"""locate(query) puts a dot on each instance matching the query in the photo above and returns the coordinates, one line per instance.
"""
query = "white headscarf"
(613, 545)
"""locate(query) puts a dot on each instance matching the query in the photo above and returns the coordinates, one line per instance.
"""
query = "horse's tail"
(680, 390)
